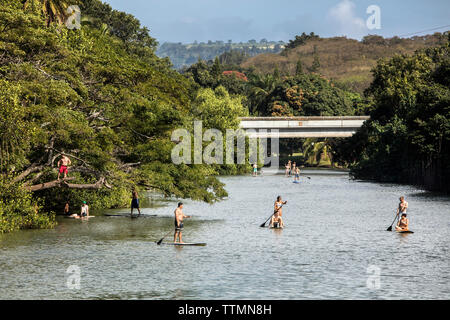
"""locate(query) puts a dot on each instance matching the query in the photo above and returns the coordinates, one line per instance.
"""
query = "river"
(335, 246)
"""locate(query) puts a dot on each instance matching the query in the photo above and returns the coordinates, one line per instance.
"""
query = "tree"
(301, 40)
(299, 68)
(216, 69)
(106, 101)
(261, 87)
(316, 64)
(54, 10)
(407, 138)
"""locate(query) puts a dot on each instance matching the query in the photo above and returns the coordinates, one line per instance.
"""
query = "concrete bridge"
(302, 127)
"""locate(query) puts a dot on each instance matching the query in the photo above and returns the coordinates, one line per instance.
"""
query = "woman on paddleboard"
(277, 220)
(403, 224)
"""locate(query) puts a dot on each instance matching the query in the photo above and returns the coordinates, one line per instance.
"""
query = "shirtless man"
(402, 206)
(135, 202)
(297, 174)
(403, 224)
(63, 165)
(288, 169)
(278, 212)
(179, 216)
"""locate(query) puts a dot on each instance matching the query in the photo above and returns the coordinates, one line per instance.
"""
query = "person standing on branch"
(63, 165)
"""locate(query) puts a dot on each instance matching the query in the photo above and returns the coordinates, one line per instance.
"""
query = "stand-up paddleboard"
(404, 232)
(276, 228)
(128, 215)
(184, 244)
(68, 217)
(296, 182)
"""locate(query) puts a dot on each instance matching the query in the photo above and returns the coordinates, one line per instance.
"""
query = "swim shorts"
(135, 203)
(63, 169)
(178, 228)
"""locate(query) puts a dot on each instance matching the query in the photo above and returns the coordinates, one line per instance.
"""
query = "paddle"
(160, 241)
(390, 227)
(264, 224)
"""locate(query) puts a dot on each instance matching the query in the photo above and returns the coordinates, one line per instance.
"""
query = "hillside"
(346, 61)
(184, 55)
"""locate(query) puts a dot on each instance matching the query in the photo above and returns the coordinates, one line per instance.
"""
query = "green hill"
(346, 61)
(184, 55)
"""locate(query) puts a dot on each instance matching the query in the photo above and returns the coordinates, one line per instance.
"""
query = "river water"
(334, 246)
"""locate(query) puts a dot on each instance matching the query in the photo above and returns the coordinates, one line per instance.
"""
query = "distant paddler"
(297, 174)
(255, 169)
(287, 172)
(401, 209)
(179, 216)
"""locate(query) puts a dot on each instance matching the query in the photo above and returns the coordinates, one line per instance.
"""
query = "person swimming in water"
(403, 223)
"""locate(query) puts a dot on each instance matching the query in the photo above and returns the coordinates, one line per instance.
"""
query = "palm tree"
(53, 10)
(261, 87)
(314, 150)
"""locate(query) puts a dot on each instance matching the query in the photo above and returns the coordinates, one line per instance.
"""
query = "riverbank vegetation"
(407, 139)
(101, 96)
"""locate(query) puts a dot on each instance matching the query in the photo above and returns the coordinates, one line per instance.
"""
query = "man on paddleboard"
(402, 206)
(179, 216)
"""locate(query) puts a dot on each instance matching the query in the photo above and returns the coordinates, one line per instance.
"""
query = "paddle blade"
(263, 225)
(160, 241)
(389, 229)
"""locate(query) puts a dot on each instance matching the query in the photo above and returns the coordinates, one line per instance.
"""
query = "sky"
(242, 20)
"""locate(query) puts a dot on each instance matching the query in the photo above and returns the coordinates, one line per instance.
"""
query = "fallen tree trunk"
(98, 185)
(63, 183)
(48, 185)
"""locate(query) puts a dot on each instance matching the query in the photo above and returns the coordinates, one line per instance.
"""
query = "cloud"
(343, 17)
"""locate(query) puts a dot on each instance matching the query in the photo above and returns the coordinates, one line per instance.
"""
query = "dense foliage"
(301, 40)
(101, 96)
(408, 136)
